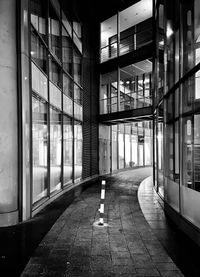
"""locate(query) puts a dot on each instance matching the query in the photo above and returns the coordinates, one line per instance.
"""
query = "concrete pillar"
(8, 115)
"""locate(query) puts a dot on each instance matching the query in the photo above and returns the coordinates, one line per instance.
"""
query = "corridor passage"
(125, 246)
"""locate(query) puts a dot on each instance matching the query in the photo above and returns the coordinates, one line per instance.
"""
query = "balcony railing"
(128, 43)
(109, 105)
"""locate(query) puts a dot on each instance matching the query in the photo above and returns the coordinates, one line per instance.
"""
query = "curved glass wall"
(56, 67)
(40, 149)
(177, 120)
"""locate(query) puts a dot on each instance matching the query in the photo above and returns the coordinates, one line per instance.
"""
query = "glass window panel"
(177, 144)
(108, 38)
(77, 67)
(67, 105)
(114, 149)
(108, 92)
(160, 158)
(67, 149)
(56, 6)
(127, 150)
(39, 149)
(67, 24)
(67, 53)
(169, 151)
(78, 29)
(77, 94)
(38, 52)
(67, 86)
(55, 72)
(197, 152)
(54, 32)
(134, 149)
(55, 95)
(188, 152)
(121, 150)
(39, 81)
(77, 42)
(147, 150)
(78, 112)
(78, 143)
(197, 85)
(55, 150)
(197, 30)
(38, 17)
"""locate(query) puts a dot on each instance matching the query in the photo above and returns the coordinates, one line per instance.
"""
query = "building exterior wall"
(177, 124)
(8, 115)
(49, 104)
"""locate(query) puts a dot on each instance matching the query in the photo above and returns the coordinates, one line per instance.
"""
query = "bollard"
(101, 210)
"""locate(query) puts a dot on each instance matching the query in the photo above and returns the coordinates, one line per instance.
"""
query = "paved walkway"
(127, 246)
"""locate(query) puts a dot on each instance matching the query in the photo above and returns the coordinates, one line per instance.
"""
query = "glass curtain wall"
(127, 88)
(78, 142)
(134, 32)
(109, 93)
(125, 146)
(56, 66)
(39, 148)
(177, 124)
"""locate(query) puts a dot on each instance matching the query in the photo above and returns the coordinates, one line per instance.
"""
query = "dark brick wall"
(90, 99)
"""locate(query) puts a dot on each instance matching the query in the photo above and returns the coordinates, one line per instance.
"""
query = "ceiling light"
(169, 31)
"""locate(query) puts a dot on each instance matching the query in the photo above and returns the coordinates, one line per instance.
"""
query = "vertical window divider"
(31, 123)
(118, 34)
(73, 132)
(62, 121)
(48, 108)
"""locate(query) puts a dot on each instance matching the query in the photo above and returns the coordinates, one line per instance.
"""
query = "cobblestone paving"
(125, 246)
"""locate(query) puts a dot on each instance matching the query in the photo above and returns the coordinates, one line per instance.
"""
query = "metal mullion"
(118, 89)
(143, 144)
(31, 119)
(48, 109)
(118, 34)
(111, 142)
(124, 146)
(117, 146)
(73, 132)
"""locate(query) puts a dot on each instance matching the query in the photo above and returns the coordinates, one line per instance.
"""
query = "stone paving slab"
(126, 246)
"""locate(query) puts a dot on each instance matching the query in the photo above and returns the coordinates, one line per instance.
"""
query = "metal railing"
(109, 106)
(127, 44)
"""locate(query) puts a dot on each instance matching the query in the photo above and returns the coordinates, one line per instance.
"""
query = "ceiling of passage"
(131, 16)
(136, 69)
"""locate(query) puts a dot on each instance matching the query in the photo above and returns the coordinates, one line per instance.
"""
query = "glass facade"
(133, 33)
(177, 120)
(56, 67)
(125, 146)
(127, 88)
(39, 148)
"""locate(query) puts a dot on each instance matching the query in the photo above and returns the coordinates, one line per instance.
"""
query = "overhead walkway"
(128, 116)
(125, 246)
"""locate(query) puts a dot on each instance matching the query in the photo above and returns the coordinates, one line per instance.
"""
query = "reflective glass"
(67, 149)
(38, 52)
(55, 72)
(55, 150)
(67, 54)
(54, 29)
(38, 17)
(78, 142)
(77, 67)
(67, 85)
(39, 148)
